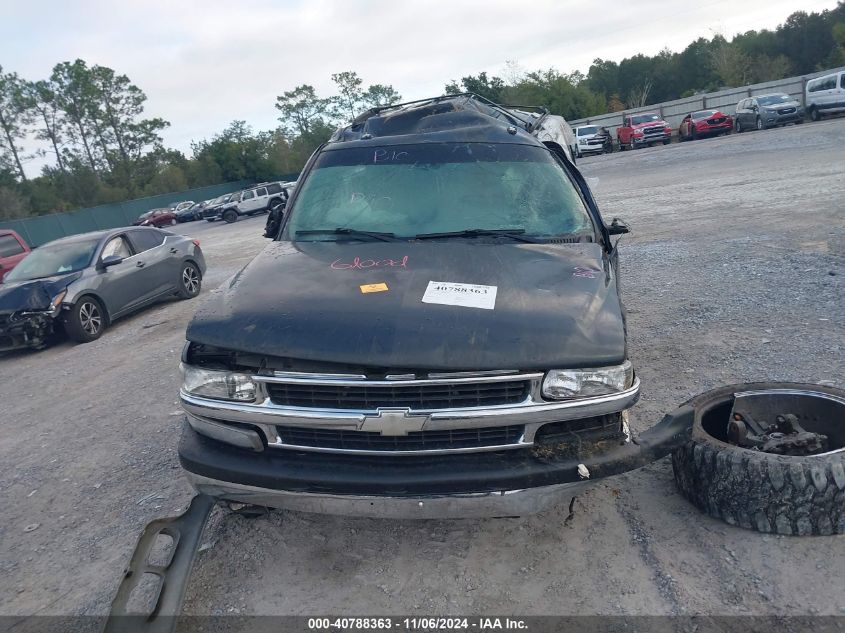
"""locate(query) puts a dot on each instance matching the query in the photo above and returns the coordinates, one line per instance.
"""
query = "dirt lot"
(734, 273)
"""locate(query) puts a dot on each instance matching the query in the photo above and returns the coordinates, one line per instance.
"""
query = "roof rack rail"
(512, 114)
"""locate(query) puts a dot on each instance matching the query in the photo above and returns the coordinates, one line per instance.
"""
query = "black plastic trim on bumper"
(426, 475)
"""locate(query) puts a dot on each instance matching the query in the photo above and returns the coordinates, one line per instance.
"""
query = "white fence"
(674, 111)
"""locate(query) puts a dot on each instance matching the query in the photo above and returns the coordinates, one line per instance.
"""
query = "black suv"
(436, 330)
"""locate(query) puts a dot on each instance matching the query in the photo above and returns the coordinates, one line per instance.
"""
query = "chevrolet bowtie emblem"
(394, 422)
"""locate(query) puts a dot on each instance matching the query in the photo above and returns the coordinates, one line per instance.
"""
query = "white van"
(826, 95)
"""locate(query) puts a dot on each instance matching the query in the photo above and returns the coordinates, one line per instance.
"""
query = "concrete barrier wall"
(674, 111)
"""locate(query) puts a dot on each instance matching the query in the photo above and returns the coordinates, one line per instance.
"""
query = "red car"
(642, 130)
(12, 250)
(704, 123)
(157, 218)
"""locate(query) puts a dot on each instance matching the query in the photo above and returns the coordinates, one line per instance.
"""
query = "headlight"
(574, 383)
(222, 385)
(56, 303)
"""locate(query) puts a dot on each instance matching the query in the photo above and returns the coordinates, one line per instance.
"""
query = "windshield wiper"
(376, 235)
(516, 234)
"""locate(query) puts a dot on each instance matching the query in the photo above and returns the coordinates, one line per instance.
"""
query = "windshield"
(439, 187)
(644, 118)
(590, 129)
(54, 259)
(773, 99)
(703, 114)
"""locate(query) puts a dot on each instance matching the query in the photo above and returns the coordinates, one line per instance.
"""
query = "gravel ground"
(734, 272)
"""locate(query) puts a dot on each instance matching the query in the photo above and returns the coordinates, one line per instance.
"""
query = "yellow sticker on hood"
(382, 287)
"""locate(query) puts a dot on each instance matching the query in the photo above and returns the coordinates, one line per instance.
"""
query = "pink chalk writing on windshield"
(361, 264)
(584, 272)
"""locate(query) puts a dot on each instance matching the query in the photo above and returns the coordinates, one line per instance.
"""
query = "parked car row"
(824, 95)
(260, 198)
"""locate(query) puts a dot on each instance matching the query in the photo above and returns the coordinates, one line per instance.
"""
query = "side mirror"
(111, 260)
(618, 227)
(274, 221)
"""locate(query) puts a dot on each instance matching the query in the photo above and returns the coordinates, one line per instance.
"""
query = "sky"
(203, 64)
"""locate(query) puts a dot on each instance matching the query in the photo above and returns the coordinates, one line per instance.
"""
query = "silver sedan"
(84, 282)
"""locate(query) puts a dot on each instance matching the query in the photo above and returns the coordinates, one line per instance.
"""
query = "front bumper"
(651, 138)
(24, 331)
(727, 126)
(774, 118)
(502, 483)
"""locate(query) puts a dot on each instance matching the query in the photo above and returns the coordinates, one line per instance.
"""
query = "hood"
(35, 294)
(555, 306)
(639, 126)
(786, 104)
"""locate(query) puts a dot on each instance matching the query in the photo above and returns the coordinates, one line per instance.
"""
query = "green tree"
(379, 95)
(120, 105)
(732, 66)
(73, 91)
(15, 116)
(41, 100)
(349, 101)
(302, 111)
(556, 91)
(492, 88)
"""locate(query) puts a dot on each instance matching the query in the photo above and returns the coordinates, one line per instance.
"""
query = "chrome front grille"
(403, 414)
(368, 397)
(653, 130)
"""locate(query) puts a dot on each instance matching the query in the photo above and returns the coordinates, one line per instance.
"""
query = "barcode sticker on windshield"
(449, 293)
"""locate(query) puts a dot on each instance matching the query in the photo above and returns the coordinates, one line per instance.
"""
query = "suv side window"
(261, 192)
(116, 246)
(145, 240)
(842, 80)
(274, 188)
(248, 195)
(9, 246)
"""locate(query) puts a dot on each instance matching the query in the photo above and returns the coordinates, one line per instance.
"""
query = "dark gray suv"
(765, 111)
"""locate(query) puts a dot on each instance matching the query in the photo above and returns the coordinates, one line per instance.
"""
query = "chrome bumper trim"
(506, 503)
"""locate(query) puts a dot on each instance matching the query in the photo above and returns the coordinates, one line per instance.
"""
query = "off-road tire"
(80, 320)
(190, 281)
(761, 491)
(230, 216)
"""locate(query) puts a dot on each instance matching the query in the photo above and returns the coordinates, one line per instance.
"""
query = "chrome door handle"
(139, 265)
